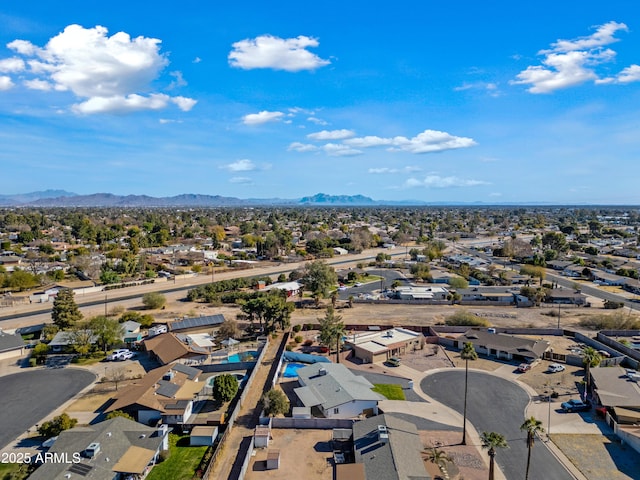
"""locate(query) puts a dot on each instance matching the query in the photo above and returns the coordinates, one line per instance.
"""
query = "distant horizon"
(448, 103)
(282, 202)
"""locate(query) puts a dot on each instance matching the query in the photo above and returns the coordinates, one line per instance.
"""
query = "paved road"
(388, 277)
(496, 405)
(19, 410)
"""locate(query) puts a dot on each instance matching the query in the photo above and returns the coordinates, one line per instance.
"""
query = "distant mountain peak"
(325, 199)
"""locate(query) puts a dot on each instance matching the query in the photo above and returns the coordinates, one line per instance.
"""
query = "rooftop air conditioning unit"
(383, 434)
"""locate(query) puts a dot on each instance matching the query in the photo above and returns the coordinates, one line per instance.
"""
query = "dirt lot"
(303, 454)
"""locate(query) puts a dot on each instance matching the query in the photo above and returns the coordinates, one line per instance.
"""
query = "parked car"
(524, 367)
(575, 405)
(116, 354)
(393, 362)
(555, 368)
(126, 356)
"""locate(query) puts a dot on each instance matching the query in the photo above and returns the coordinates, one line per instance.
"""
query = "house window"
(336, 411)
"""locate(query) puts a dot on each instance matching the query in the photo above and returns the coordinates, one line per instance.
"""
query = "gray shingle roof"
(398, 459)
(337, 387)
(115, 437)
(10, 342)
(507, 343)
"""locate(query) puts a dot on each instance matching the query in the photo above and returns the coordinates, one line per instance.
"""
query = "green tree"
(225, 387)
(21, 280)
(440, 459)
(491, 441)
(65, 312)
(590, 358)
(80, 338)
(153, 300)
(39, 352)
(332, 330)
(53, 427)
(319, 278)
(275, 402)
(108, 331)
(468, 353)
(118, 413)
(458, 283)
(533, 427)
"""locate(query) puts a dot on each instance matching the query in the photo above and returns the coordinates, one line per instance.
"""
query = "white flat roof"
(376, 342)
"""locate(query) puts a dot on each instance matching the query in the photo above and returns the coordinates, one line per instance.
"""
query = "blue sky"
(471, 101)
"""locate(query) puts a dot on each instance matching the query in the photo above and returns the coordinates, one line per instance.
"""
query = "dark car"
(575, 405)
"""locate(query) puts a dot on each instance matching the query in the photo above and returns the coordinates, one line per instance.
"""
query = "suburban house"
(565, 296)
(196, 324)
(171, 347)
(165, 393)
(371, 347)
(335, 391)
(605, 278)
(389, 448)
(421, 293)
(131, 333)
(114, 449)
(291, 288)
(64, 341)
(619, 393)
(11, 345)
(496, 295)
(506, 347)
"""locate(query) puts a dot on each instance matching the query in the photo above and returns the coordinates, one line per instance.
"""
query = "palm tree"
(532, 426)
(492, 440)
(439, 458)
(590, 358)
(468, 353)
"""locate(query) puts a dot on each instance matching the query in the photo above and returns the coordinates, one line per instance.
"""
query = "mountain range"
(62, 198)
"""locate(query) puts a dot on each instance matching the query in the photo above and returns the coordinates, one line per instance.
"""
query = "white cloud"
(317, 121)
(573, 62)
(331, 134)
(5, 82)
(12, 65)
(436, 181)
(38, 84)
(197, 60)
(267, 51)
(241, 180)
(244, 165)
(425, 142)
(184, 103)
(387, 170)
(604, 35)
(179, 80)
(495, 194)
(302, 147)
(107, 72)
(629, 74)
(262, 117)
(130, 103)
(338, 150)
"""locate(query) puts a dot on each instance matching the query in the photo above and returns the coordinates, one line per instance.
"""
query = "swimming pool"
(248, 356)
(291, 370)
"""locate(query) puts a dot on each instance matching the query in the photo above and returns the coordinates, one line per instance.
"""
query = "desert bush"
(465, 318)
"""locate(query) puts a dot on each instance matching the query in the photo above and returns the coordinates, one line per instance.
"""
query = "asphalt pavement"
(497, 405)
(30, 396)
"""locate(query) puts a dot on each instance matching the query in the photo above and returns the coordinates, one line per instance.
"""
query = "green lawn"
(12, 471)
(390, 391)
(182, 462)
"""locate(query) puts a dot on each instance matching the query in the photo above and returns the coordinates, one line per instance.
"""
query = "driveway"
(496, 405)
(28, 397)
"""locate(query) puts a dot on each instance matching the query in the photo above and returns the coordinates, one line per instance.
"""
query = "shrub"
(298, 339)
(465, 318)
(225, 387)
(32, 362)
(297, 328)
(288, 348)
(275, 402)
(153, 300)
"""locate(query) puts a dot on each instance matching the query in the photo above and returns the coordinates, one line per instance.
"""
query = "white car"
(126, 356)
(555, 368)
(117, 354)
